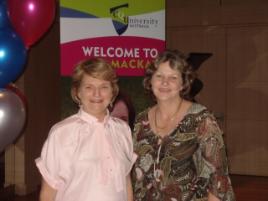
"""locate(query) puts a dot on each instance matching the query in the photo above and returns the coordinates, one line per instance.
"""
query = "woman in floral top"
(180, 146)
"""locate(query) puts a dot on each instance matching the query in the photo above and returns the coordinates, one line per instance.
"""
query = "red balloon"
(12, 87)
(31, 18)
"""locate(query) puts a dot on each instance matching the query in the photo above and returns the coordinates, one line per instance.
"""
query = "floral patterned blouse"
(184, 165)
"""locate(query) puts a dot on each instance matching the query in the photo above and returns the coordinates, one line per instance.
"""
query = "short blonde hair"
(97, 68)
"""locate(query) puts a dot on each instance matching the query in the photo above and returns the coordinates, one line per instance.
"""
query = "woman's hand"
(129, 189)
(47, 193)
(212, 197)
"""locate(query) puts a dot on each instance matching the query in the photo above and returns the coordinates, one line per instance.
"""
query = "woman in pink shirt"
(88, 156)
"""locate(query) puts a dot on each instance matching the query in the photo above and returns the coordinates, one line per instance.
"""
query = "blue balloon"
(4, 19)
(13, 55)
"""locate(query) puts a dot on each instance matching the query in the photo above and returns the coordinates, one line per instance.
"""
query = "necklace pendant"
(169, 119)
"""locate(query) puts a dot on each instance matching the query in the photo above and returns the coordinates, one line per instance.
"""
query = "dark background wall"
(236, 76)
(235, 83)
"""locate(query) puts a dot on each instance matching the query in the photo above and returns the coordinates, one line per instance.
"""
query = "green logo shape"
(119, 18)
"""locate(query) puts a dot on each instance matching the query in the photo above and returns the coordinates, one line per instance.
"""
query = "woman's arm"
(215, 159)
(212, 197)
(47, 193)
(129, 189)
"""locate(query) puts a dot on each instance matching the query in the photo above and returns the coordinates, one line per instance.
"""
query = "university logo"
(119, 18)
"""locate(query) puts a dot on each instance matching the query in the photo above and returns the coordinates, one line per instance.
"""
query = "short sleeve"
(212, 164)
(128, 145)
(49, 161)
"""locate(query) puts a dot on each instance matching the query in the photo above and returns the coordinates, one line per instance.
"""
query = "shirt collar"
(92, 119)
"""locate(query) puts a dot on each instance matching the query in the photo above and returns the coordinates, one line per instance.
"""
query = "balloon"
(12, 56)
(4, 20)
(31, 18)
(12, 117)
(12, 87)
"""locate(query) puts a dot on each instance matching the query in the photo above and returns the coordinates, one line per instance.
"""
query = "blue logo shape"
(119, 18)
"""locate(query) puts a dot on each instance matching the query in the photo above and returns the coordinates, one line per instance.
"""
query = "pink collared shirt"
(87, 160)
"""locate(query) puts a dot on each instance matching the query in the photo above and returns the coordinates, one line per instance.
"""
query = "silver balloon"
(12, 117)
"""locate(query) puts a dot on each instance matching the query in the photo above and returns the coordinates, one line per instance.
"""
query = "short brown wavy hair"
(97, 68)
(177, 61)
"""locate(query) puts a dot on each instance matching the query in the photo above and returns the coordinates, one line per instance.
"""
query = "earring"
(77, 101)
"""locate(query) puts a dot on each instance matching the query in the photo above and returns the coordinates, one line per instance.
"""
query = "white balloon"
(12, 117)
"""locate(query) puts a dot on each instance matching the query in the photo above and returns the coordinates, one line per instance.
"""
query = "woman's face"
(166, 82)
(95, 95)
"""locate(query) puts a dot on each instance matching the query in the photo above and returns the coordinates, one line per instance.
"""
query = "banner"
(129, 34)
